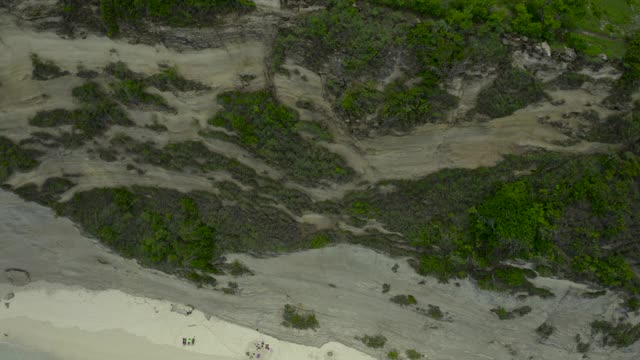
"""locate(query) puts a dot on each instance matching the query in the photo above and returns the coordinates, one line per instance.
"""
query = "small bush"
(545, 330)
(386, 288)
(132, 92)
(412, 354)
(45, 69)
(392, 355)
(404, 300)
(13, 157)
(236, 268)
(435, 313)
(320, 241)
(298, 319)
(632, 303)
(513, 89)
(374, 341)
(503, 314)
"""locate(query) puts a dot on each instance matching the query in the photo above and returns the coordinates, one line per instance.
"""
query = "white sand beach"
(76, 323)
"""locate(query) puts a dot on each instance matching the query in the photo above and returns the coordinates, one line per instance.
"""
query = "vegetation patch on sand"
(15, 158)
(299, 319)
(44, 69)
(268, 129)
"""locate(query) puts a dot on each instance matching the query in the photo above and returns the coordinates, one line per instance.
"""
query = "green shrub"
(404, 108)
(93, 118)
(45, 69)
(359, 100)
(13, 157)
(513, 89)
(298, 319)
(320, 241)
(434, 312)
(618, 335)
(404, 300)
(612, 271)
(268, 129)
(412, 354)
(512, 224)
(386, 288)
(374, 341)
(393, 354)
(503, 314)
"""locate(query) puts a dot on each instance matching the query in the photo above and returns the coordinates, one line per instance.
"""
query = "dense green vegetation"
(513, 89)
(114, 14)
(268, 129)
(299, 319)
(561, 217)
(13, 157)
(630, 79)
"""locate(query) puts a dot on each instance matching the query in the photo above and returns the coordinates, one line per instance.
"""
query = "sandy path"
(52, 250)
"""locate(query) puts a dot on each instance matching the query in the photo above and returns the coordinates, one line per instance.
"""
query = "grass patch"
(44, 69)
(374, 341)
(299, 319)
(15, 158)
(268, 129)
(545, 330)
(513, 89)
(392, 355)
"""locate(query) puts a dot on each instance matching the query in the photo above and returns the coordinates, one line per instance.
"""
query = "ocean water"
(13, 352)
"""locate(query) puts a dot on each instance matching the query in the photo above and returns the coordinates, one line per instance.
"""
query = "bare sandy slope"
(52, 250)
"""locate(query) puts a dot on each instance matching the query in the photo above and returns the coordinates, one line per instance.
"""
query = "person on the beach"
(193, 341)
(262, 344)
(184, 341)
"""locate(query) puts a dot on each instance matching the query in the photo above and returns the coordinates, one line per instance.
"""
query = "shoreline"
(71, 322)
